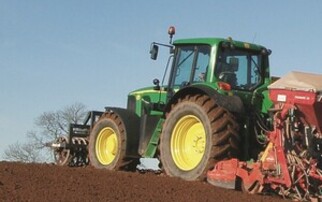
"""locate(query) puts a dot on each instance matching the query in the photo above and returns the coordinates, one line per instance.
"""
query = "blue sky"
(56, 53)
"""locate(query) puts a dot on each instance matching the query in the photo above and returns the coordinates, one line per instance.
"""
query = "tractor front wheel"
(107, 143)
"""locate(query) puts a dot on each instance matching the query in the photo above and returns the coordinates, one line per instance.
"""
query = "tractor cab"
(210, 66)
(227, 67)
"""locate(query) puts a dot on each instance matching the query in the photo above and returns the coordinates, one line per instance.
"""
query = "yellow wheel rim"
(188, 142)
(106, 146)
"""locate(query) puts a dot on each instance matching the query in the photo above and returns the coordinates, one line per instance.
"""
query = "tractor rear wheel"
(196, 133)
(107, 144)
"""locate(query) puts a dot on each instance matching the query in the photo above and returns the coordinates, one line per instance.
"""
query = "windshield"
(191, 65)
(241, 68)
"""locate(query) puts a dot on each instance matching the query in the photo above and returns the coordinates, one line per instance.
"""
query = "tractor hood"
(145, 91)
(144, 97)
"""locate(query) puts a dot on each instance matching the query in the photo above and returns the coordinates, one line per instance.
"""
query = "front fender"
(131, 121)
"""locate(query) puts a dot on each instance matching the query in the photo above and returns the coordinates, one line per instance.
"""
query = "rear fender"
(232, 103)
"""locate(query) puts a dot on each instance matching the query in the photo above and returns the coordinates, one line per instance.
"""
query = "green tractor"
(212, 104)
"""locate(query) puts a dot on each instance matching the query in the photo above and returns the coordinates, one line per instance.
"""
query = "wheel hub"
(188, 142)
(199, 144)
(106, 146)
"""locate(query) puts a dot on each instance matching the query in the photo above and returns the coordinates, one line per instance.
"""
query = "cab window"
(242, 69)
(191, 64)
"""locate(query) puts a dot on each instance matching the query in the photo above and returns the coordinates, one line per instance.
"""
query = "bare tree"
(55, 124)
(50, 126)
(22, 152)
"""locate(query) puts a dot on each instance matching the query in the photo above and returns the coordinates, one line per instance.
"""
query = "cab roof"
(216, 41)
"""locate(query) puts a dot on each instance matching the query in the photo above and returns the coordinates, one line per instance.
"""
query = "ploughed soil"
(48, 182)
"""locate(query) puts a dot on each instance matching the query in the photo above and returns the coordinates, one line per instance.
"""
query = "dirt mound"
(45, 182)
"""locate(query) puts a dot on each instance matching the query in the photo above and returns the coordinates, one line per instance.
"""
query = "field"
(48, 182)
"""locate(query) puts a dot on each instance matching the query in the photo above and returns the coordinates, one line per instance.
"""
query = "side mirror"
(154, 51)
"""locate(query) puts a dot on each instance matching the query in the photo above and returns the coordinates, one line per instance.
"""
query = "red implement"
(290, 163)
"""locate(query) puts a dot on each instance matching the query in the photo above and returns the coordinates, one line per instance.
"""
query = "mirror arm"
(161, 44)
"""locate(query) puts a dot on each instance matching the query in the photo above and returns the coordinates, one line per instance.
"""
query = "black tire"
(220, 139)
(107, 143)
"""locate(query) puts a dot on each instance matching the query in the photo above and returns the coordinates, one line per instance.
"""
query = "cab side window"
(201, 64)
(240, 68)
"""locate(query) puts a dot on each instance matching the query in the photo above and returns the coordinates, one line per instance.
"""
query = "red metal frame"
(274, 157)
